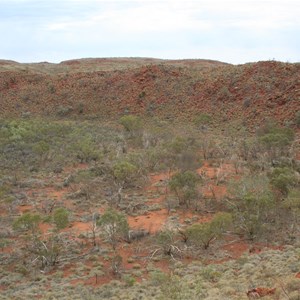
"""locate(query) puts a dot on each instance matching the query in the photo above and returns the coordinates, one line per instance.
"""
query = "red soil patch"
(80, 227)
(24, 208)
(236, 249)
(45, 227)
(155, 179)
(163, 265)
(224, 170)
(151, 222)
(2, 287)
(260, 292)
(68, 270)
(6, 250)
(136, 250)
(80, 166)
(160, 177)
(154, 221)
(96, 280)
(56, 194)
(208, 171)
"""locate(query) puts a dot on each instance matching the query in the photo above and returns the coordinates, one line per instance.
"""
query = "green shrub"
(275, 139)
(114, 225)
(202, 234)
(297, 118)
(86, 149)
(203, 119)
(132, 124)
(63, 111)
(252, 204)
(184, 186)
(129, 280)
(27, 222)
(124, 172)
(283, 179)
(61, 218)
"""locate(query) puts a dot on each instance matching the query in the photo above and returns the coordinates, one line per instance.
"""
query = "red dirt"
(45, 227)
(151, 222)
(236, 249)
(24, 208)
(155, 178)
(6, 250)
(97, 281)
(71, 169)
(260, 292)
(80, 227)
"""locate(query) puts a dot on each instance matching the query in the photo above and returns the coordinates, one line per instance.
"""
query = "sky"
(236, 31)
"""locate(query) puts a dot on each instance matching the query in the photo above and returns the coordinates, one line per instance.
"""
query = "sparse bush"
(61, 218)
(114, 226)
(63, 111)
(201, 235)
(203, 119)
(27, 221)
(86, 150)
(124, 173)
(211, 274)
(252, 205)
(275, 139)
(167, 243)
(184, 186)
(297, 118)
(283, 179)
(132, 125)
(129, 280)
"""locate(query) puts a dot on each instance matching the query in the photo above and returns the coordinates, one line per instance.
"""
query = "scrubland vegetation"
(145, 208)
(149, 179)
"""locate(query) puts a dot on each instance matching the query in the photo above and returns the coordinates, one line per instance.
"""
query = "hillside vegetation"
(248, 93)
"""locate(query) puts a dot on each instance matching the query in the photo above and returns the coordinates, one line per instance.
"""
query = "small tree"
(47, 251)
(114, 226)
(275, 139)
(116, 265)
(201, 235)
(86, 150)
(292, 206)
(184, 186)
(252, 205)
(43, 249)
(124, 174)
(132, 125)
(283, 179)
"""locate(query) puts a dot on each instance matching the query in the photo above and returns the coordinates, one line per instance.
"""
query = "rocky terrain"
(248, 93)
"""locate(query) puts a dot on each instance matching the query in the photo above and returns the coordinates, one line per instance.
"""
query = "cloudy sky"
(235, 31)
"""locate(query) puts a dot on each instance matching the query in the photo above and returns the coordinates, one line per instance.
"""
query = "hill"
(108, 87)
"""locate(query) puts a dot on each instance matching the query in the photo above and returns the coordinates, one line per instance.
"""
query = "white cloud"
(63, 29)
